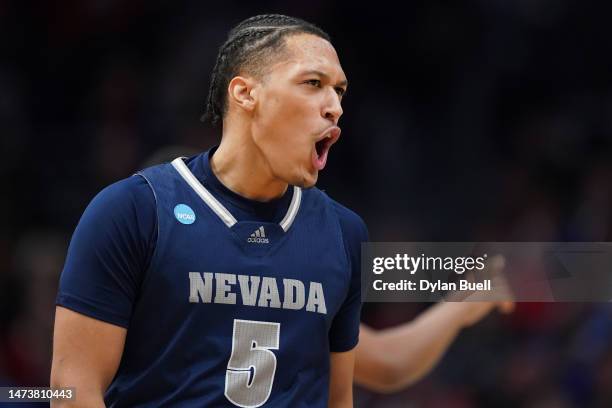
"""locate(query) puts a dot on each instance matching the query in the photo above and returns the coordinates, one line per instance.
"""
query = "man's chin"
(303, 177)
(305, 185)
(307, 180)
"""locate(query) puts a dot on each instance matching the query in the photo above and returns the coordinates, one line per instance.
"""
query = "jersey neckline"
(219, 209)
(268, 211)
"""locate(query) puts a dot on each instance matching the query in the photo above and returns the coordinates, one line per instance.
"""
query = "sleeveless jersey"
(236, 313)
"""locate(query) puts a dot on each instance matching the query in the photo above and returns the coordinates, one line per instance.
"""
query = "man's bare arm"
(86, 355)
(341, 379)
(390, 359)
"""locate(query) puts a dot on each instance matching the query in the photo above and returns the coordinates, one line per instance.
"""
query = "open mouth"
(323, 145)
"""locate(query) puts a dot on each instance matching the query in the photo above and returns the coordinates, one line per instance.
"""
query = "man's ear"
(241, 92)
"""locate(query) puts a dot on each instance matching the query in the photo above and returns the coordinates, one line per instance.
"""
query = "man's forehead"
(310, 43)
(312, 54)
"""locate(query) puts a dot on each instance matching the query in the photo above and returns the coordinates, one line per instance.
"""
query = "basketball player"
(225, 279)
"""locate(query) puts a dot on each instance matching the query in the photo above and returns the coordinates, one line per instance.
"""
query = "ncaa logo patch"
(184, 214)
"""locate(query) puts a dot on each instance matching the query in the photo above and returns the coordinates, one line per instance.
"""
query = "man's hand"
(473, 312)
(474, 306)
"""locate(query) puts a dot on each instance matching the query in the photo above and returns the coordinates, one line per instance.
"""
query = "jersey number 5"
(251, 367)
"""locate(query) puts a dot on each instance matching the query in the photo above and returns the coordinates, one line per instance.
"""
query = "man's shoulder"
(133, 189)
(127, 201)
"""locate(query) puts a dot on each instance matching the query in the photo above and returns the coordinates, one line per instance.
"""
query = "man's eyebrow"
(324, 75)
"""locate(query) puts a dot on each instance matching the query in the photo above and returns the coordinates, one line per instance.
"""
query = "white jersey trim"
(293, 209)
(220, 209)
(204, 194)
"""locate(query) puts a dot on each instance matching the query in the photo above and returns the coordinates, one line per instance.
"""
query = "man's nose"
(332, 109)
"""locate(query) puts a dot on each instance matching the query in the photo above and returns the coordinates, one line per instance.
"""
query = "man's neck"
(240, 166)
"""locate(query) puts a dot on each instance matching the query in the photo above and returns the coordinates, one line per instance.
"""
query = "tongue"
(319, 160)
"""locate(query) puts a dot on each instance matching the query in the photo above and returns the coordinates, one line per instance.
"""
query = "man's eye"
(314, 82)
(340, 91)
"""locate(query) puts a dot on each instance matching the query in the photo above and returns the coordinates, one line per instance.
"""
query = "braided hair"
(248, 46)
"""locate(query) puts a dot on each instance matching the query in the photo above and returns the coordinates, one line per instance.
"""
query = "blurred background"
(481, 120)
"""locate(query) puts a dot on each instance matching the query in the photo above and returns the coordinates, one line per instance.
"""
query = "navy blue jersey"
(227, 301)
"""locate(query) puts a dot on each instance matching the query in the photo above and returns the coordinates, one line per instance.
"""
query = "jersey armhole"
(347, 255)
(154, 255)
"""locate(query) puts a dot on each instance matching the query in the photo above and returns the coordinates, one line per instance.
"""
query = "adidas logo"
(259, 236)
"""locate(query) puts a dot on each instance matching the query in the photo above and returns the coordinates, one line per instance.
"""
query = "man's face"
(297, 109)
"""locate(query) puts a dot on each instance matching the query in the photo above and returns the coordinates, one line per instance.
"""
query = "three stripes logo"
(259, 236)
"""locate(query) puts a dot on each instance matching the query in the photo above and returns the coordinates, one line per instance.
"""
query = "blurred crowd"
(464, 121)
